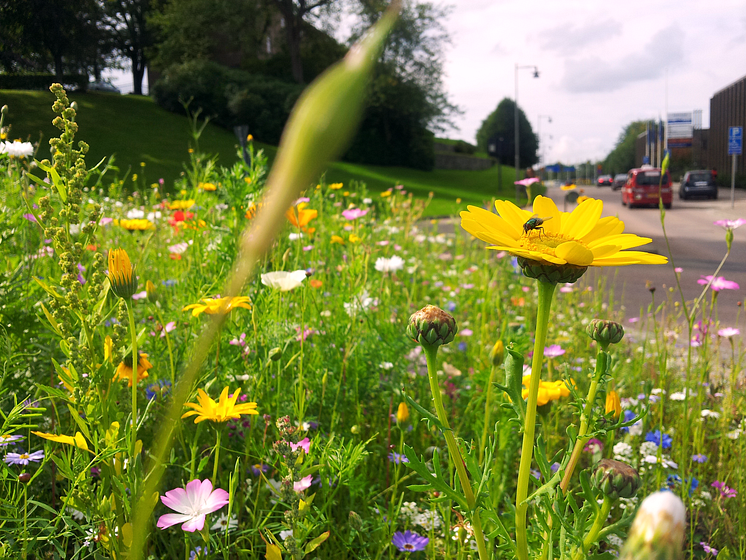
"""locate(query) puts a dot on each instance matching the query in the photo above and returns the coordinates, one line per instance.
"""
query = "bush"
(229, 96)
(462, 147)
(42, 81)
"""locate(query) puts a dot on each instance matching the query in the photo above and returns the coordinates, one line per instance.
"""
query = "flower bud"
(122, 274)
(613, 404)
(402, 413)
(356, 522)
(431, 326)
(657, 533)
(24, 477)
(616, 479)
(497, 354)
(275, 354)
(605, 332)
(151, 291)
(551, 273)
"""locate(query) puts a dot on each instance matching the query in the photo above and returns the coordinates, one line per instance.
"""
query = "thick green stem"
(135, 368)
(585, 418)
(546, 291)
(453, 450)
(217, 457)
(598, 524)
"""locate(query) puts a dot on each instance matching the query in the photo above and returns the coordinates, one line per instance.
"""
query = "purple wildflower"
(708, 549)
(7, 439)
(409, 541)
(397, 458)
(23, 458)
(699, 458)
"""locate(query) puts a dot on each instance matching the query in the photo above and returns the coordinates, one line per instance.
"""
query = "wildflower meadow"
(254, 363)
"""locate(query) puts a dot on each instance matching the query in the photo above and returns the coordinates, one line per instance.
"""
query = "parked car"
(604, 180)
(645, 185)
(620, 179)
(103, 85)
(698, 183)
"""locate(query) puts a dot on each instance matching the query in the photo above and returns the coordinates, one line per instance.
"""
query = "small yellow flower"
(124, 369)
(402, 413)
(354, 238)
(336, 186)
(458, 201)
(613, 404)
(134, 177)
(346, 193)
(150, 290)
(122, 275)
(338, 239)
(548, 390)
(568, 187)
(248, 180)
(190, 150)
(213, 306)
(225, 409)
(385, 194)
(142, 164)
(139, 224)
(207, 186)
(77, 441)
(181, 204)
(249, 138)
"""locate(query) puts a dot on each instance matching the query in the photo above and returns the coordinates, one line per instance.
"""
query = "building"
(727, 108)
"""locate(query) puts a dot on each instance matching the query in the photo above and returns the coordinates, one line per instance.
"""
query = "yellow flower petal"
(583, 219)
(547, 210)
(574, 253)
(514, 217)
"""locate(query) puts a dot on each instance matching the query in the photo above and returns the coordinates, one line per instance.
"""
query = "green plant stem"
(598, 524)
(585, 418)
(168, 343)
(487, 411)
(458, 461)
(546, 291)
(135, 368)
(217, 456)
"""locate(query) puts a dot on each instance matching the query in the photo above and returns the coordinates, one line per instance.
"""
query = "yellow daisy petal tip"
(575, 253)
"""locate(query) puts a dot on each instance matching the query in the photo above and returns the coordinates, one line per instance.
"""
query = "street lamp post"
(541, 144)
(517, 134)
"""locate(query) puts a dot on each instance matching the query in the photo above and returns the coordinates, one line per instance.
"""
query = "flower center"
(408, 546)
(23, 456)
(542, 242)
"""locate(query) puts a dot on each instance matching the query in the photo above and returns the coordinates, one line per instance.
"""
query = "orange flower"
(299, 216)
(124, 369)
(175, 256)
(518, 302)
(316, 283)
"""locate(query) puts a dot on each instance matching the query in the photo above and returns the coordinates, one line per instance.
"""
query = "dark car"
(604, 180)
(620, 180)
(645, 185)
(698, 183)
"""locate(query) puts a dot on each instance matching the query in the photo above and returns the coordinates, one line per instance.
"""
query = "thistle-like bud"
(122, 274)
(605, 332)
(616, 479)
(402, 413)
(497, 354)
(151, 291)
(551, 273)
(657, 533)
(431, 326)
(613, 404)
(356, 522)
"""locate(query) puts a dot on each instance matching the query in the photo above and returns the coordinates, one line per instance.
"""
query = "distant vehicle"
(644, 186)
(698, 183)
(103, 85)
(620, 180)
(605, 180)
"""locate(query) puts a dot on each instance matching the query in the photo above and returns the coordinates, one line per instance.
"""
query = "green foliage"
(41, 81)
(501, 123)
(229, 97)
(622, 158)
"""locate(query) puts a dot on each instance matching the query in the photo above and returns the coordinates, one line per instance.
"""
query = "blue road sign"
(735, 140)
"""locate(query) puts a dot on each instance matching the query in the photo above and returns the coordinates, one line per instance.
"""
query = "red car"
(644, 186)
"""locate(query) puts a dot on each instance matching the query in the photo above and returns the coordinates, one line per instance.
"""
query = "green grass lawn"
(134, 129)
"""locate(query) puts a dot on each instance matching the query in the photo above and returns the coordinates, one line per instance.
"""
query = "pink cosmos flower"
(728, 332)
(303, 484)
(192, 504)
(553, 351)
(718, 283)
(105, 221)
(168, 327)
(730, 224)
(354, 213)
(304, 444)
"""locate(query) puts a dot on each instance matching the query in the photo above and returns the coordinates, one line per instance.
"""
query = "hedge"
(42, 81)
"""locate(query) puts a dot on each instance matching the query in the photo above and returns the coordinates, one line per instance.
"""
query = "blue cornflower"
(462, 346)
(659, 439)
(628, 415)
(451, 306)
(199, 552)
(699, 458)
(693, 486)
(397, 458)
(160, 388)
(672, 481)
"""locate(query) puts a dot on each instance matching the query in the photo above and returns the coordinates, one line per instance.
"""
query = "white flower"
(360, 303)
(636, 428)
(17, 149)
(285, 534)
(648, 448)
(74, 229)
(135, 214)
(77, 515)
(386, 365)
(389, 265)
(367, 201)
(295, 236)
(223, 524)
(660, 519)
(622, 451)
(678, 396)
(283, 280)
(154, 216)
(706, 413)
(428, 520)
(735, 434)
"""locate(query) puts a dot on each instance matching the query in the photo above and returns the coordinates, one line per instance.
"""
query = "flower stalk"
(546, 292)
(135, 369)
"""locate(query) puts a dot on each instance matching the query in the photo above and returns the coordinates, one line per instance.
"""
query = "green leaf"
(56, 180)
(426, 414)
(316, 543)
(435, 481)
(203, 463)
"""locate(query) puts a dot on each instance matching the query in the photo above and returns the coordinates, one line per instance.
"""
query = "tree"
(622, 158)
(501, 123)
(126, 23)
(294, 13)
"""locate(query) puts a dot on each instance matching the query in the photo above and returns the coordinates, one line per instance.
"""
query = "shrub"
(229, 96)
(462, 147)
(42, 81)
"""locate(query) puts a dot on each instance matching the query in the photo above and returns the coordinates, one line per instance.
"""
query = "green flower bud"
(657, 533)
(275, 354)
(605, 332)
(431, 326)
(616, 479)
(151, 291)
(497, 354)
(356, 522)
(550, 273)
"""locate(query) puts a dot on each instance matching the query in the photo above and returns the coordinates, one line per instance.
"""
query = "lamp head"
(536, 72)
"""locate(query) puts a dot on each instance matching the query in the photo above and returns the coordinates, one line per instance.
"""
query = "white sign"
(680, 125)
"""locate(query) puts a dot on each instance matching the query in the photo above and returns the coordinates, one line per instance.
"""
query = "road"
(697, 246)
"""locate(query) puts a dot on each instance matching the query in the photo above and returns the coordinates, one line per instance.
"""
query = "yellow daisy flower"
(181, 204)
(568, 187)
(124, 369)
(77, 441)
(213, 306)
(336, 186)
(207, 186)
(548, 390)
(579, 239)
(225, 409)
(122, 275)
(613, 404)
(140, 224)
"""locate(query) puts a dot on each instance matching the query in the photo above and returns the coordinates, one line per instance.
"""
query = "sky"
(601, 65)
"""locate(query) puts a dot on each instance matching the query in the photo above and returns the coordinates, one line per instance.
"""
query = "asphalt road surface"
(697, 246)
